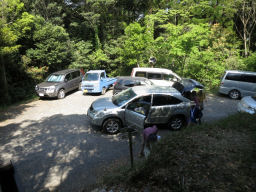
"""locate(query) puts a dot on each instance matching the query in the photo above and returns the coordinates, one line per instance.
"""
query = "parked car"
(238, 84)
(186, 86)
(138, 106)
(159, 76)
(247, 104)
(96, 81)
(123, 83)
(59, 83)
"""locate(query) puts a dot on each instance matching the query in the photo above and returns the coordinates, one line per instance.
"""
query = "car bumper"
(94, 120)
(241, 108)
(224, 90)
(45, 94)
(90, 90)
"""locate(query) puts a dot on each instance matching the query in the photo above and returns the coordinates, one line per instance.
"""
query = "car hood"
(249, 101)
(48, 84)
(103, 103)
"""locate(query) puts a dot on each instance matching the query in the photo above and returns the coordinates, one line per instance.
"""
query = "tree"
(14, 25)
(52, 49)
(246, 16)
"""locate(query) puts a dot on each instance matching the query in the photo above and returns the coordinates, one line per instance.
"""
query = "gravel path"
(53, 146)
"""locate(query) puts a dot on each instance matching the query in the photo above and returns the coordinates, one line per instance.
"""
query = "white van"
(159, 76)
(238, 84)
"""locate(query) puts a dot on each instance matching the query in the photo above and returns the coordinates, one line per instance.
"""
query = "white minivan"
(238, 84)
(159, 76)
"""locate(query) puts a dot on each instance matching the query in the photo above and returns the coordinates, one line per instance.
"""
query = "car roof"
(155, 89)
(95, 71)
(155, 70)
(63, 72)
(131, 78)
(239, 71)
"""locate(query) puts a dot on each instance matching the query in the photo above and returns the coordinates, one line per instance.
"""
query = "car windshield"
(123, 97)
(91, 77)
(55, 78)
(146, 82)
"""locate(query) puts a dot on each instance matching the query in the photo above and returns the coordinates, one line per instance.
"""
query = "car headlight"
(51, 89)
(99, 114)
(36, 88)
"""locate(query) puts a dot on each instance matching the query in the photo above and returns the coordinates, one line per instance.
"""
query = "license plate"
(85, 91)
(41, 94)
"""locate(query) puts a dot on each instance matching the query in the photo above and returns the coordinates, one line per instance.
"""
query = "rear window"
(140, 74)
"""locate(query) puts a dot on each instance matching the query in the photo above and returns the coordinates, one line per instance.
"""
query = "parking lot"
(53, 146)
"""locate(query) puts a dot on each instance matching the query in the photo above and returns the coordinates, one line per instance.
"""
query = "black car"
(126, 82)
(185, 86)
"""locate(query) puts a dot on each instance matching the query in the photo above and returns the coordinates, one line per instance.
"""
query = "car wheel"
(234, 94)
(176, 123)
(112, 125)
(103, 91)
(61, 94)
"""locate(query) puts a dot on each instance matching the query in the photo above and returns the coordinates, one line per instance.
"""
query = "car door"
(137, 111)
(68, 82)
(163, 107)
(249, 84)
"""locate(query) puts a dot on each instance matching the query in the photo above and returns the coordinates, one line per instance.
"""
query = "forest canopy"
(197, 39)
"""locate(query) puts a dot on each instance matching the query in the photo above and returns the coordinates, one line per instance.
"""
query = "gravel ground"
(53, 146)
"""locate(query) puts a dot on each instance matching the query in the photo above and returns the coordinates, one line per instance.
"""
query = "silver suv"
(138, 106)
(238, 84)
(59, 83)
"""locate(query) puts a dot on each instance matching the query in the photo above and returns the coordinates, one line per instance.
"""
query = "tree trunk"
(245, 43)
(4, 96)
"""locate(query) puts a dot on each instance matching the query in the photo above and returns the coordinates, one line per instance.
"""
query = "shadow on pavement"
(58, 153)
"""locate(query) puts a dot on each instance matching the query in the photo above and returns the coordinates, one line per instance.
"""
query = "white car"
(247, 104)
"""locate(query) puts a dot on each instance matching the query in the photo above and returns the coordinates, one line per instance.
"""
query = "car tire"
(176, 123)
(234, 94)
(112, 125)
(61, 94)
(103, 91)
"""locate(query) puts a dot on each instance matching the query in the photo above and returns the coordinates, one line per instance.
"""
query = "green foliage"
(81, 52)
(250, 62)
(52, 47)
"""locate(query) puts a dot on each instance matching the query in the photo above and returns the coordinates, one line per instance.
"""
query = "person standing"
(149, 136)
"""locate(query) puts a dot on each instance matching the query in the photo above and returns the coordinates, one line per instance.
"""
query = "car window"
(234, 76)
(123, 97)
(160, 100)
(140, 105)
(140, 74)
(249, 78)
(68, 77)
(55, 78)
(168, 77)
(75, 74)
(102, 75)
(128, 83)
(154, 75)
(91, 77)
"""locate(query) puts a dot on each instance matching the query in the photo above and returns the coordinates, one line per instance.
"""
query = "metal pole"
(130, 145)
